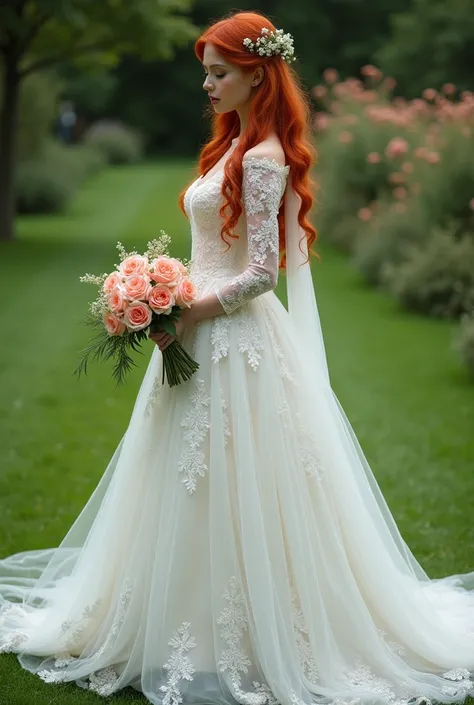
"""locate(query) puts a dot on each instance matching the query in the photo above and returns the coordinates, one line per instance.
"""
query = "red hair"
(279, 106)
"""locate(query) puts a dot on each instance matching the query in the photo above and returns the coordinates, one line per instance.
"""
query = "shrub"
(42, 187)
(118, 143)
(47, 182)
(387, 239)
(437, 279)
(464, 342)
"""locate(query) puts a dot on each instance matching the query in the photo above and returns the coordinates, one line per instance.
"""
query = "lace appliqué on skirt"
(196, 422)
(179, 665)
(233, 659)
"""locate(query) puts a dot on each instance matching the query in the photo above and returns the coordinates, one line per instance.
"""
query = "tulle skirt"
(238, 549)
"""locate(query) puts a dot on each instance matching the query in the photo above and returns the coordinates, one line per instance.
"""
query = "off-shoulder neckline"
(269, 161)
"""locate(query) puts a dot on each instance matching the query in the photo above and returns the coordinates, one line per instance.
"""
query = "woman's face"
(226, 82)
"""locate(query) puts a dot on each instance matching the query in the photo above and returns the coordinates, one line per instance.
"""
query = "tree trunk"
(8, 144)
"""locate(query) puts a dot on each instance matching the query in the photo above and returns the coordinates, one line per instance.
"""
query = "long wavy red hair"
(279, 106)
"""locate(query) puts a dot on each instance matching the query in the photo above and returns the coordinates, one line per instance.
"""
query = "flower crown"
(272, 44)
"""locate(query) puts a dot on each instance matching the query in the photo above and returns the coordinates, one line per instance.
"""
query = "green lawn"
(406, 395)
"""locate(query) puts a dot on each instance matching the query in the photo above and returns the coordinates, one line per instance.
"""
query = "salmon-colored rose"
(135, 264)
(112, 280)
(161, 299)
(113, 324)
(137, 316)
(137, 287)
(186, 292)
(165, 270)
(117, 300)
(182, 268)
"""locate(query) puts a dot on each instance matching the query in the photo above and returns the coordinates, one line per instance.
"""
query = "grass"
(402, 388)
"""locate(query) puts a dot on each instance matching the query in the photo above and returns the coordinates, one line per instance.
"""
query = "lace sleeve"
(262, 188)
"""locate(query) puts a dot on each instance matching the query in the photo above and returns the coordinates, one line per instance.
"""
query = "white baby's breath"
(271, 43)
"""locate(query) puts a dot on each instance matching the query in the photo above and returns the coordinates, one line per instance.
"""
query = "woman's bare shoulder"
(270, 148)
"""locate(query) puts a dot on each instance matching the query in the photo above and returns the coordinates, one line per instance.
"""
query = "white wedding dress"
(238, 548)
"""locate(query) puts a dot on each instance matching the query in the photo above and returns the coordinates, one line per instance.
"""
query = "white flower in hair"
(272, 44)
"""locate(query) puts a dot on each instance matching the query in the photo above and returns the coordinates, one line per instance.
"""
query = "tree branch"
(64, 56)
(35, 28)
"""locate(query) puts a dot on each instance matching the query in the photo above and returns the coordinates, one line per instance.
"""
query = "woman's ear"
(257, 76)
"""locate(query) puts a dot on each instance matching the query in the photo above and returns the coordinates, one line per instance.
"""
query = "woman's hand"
(163, 339)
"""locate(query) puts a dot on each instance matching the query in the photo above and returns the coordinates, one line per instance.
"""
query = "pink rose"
(137, 287)
(137, 316)
(135, 264)
(113, 324)
(186, 292)
(112, 280)
(181, 267)
(166, 270)
(116, 300)
(161, 299)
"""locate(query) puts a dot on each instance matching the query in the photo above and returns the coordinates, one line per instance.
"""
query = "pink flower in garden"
(421, 152)
(137, 316)
(113, 324)
(330, 76)
(319, 92)
(321, 121)
(364, 214)
(345, 137)
(449, 89)
(367, 97)
(407, 167)
(429, 94)
(370, 71)
(397, 147)
(471, 204)
(336, 107)
(400, 207)
(389, 83)
(351, 119)
(373, 158)
(400, 193)
(396, 177)
(433, 157)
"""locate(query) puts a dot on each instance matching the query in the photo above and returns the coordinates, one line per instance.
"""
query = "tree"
(436, 37)
(37, 34)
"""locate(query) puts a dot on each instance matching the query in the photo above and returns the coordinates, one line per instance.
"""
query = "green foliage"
(464, 342)
(38, 108)
(436, 36)
(387, 239)
(90, 90)
(437, 279)
(47, 182)
(67, 29)
(119, 144)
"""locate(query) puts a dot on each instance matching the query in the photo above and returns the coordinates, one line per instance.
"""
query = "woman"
(238, 548)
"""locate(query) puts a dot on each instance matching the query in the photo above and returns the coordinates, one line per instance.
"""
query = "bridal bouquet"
(145, 293)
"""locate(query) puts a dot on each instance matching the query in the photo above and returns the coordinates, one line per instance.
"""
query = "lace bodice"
(249, 267)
